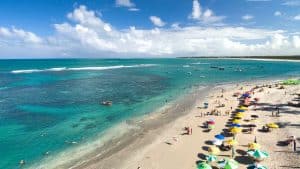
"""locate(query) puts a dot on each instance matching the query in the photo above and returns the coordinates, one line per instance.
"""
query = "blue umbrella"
(246, 95)
(240, 110)
(219, 136)
(235, 125)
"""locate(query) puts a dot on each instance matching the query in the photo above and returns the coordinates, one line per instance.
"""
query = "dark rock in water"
(83, 119)
(90, 126)
(75, 125)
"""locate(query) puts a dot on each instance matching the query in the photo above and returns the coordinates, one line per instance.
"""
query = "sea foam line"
(57, 69)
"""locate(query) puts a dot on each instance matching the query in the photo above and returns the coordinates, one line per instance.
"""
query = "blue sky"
(156, 28)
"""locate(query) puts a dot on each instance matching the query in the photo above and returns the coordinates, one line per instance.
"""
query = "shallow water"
(48, 106)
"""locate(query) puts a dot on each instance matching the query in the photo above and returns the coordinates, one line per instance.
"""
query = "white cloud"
(196, 10)
(207, 17)
(292, 3)
(87, 34)
(133, 9)
(259, 0)
(157, 21)
(277, 13)
(124, 3)
(247, 17)
(297, 17)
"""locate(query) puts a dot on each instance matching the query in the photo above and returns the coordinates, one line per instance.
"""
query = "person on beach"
(295, 146)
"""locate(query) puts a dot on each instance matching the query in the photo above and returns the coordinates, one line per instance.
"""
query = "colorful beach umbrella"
(272, 125)
(258, 154)
(228, 164)
(214, 150)
(203, 165)
(253, 146)
(220, 137)
(236, 121)
(235, 125)
(217, 142)
(231, 142)
(211, 122)
(243, 108)
(256, 166)
(211, 126)
(238, 116)
(211, 158)
(240, 110)
(235, 130)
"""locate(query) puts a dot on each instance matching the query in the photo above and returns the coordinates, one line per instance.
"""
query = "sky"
(148, 28)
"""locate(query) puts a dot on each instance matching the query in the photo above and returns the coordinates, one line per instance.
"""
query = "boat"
(106, 103)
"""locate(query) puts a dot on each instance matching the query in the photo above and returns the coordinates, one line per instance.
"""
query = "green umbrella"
(203, 165)
(228, 164)
(258, 154)
(211, 158)
(256, 166)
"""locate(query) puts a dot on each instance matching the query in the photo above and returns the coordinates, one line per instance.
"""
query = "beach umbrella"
(236, 121)
(235, 125)
(240, 110)
(258, 154)
(231, 142)
(219, 136)
(203, 165)
(211, 122)
(240, 113)
(243, 108)
(211, 126)
(211, 158)
(246, 95)
(228, 164)
(235, 130)
(217, 142)
(272, 125)
(253, 146)
(214, 150)
(239, 116)
(256, 166)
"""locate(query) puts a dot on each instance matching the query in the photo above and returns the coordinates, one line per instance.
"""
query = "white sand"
(151, 151)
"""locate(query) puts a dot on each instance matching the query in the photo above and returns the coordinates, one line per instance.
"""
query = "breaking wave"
(58, 69)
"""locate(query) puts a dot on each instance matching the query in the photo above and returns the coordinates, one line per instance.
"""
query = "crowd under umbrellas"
(221, 144)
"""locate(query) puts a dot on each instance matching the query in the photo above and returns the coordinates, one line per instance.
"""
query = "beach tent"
(258, 154)
(291, 82)
(256, 166)
(203, 165)
(253, 146)
(228, 164)
(217, 142)
(211, 158)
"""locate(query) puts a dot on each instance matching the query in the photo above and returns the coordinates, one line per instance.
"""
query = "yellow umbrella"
(253, 146)
(231, 142)
(235, 130)
(243, 108)
(272, 125)
(236, 121)
(238, 116)
(214, 150)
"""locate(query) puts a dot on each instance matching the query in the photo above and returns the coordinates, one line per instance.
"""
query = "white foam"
(77, 155)
(79, 68)
(200, 63)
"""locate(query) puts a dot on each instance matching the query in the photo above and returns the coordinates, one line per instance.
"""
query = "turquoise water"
(47, 104)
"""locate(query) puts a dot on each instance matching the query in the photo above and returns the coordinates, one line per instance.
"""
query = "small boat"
(213, 67)
(221, 68)
(106, 103)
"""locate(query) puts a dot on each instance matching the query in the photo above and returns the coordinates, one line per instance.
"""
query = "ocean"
(51, 106)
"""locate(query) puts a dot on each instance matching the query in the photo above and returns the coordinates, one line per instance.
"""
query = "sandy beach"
(169, 146)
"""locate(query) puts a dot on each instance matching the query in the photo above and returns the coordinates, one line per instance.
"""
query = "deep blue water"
(45, 104)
